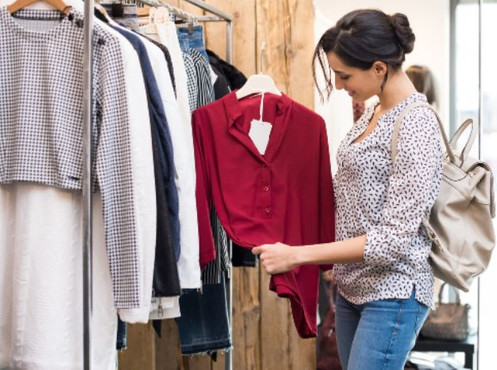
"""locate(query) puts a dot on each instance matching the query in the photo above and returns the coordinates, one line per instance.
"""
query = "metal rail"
(87, 183)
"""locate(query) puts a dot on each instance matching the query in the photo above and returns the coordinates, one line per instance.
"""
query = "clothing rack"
(87, 183)
(180, 13)
(217, 16)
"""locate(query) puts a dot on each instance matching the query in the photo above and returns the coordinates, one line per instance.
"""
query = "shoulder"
(106, 37)
(419, 130)
(304, 114)
(420, 114)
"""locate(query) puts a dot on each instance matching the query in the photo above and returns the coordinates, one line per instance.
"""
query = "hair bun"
(403, 31)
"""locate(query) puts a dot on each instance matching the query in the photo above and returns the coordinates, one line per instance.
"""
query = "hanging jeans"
(204, 323)
(194, 40)
(377, 334)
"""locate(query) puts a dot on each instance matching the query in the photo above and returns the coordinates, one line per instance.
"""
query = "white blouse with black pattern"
(388, 203)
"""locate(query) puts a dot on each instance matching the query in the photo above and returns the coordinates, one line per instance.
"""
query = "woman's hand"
(279, 257)
(276, 258)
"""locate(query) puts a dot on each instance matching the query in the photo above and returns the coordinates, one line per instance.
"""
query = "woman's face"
(360, 84)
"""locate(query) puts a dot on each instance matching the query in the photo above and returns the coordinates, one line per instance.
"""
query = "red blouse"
(284, 196)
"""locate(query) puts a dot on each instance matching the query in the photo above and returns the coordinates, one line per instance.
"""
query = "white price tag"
(259, 133)
(158, 304)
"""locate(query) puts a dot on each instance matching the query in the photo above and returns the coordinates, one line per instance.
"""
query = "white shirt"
(388, 203)
(144, 183)
(179, 121)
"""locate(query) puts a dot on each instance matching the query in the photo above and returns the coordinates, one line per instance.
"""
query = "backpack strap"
(472, 136)
(398, 122)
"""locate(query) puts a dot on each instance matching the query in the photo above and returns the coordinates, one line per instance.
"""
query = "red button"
(267, 210)
(266, 188)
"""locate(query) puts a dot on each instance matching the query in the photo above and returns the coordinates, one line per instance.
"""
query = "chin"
(363, 98)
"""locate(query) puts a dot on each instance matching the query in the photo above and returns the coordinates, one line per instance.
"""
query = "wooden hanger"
(102, 10)
(60, 5)
(258, 83)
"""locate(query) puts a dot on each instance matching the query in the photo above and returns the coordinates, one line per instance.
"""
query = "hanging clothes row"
(145, 235)
(154, 256)
(204, 325)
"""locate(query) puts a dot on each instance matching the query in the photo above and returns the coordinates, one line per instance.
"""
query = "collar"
(234, 111)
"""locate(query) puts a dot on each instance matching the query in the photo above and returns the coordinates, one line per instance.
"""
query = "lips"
(351, 93)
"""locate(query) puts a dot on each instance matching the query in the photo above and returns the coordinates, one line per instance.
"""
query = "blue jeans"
(377, 335)
(204, 323)
(194, 40)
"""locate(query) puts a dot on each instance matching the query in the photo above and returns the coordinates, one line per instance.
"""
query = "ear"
(379, 68)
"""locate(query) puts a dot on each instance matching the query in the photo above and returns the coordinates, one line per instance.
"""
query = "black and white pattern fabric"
(41, 97)
(205, 91)
(191, 82)
(388, 203)
(212, 273)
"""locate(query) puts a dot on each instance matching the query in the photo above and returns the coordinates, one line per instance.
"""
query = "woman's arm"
(279, 257)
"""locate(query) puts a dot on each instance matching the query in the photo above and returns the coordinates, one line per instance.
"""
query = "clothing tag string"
(262, 107)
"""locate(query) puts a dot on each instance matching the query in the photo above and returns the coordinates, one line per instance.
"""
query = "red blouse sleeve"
(203, 195)
(326, 197)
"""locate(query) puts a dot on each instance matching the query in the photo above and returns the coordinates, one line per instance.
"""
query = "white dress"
(41, 305)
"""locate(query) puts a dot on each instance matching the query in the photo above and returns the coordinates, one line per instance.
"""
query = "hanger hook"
(263, 48)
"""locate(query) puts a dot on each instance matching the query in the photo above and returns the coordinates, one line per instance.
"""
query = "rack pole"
(228, 365)
(480, 125)
(229, 41)
(211, 9)
(87, 183)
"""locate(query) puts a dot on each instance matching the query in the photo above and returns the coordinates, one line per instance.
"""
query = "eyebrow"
(339, 72)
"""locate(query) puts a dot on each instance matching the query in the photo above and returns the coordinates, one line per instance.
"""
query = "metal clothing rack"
(87, 183)
(218, 16)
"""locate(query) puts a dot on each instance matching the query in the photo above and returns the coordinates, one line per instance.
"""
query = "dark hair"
(363, 37)
(423, 81)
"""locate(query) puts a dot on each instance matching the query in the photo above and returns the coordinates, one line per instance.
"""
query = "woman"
(381, 254)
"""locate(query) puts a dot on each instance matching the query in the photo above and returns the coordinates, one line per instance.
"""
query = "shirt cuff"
(373, 239)
(135, 315)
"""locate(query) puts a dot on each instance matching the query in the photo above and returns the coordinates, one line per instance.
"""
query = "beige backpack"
(460, 223)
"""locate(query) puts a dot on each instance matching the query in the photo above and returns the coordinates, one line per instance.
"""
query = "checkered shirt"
(191, 82)
(205, 91)
(212, 273)
(41, 127)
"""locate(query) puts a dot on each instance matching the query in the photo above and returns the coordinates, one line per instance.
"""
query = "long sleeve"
(203, 196)
(326, 200)
(145, 194)
(410, 190)
(124, 169)
(188, 269)
(184, 175)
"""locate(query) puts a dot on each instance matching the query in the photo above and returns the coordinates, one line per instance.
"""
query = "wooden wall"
(264, 336)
